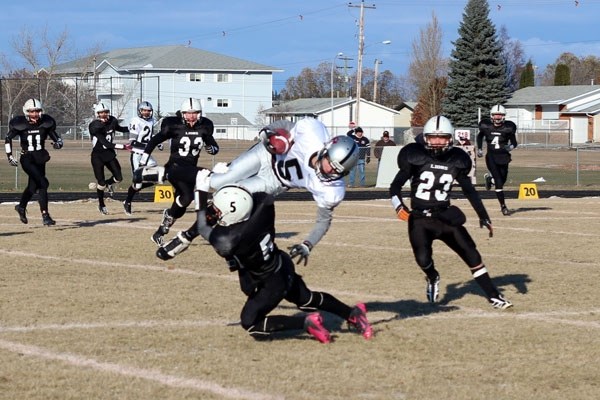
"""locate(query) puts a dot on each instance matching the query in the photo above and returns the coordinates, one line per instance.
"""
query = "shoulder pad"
(19, 123)
(485, 123)
(47, 122)
(461, 158)
(95, 124)
(414, 153)
(511, 125)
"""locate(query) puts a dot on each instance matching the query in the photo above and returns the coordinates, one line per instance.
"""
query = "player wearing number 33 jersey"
(433, 165)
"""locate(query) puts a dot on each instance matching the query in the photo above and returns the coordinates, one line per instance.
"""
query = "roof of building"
(550, 94)
(315, 105)
(154, 58)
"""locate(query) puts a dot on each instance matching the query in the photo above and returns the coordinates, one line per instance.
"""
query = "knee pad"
(154, 174)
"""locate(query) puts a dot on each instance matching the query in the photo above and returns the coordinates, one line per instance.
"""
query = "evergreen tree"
(562, 75)
(528, 76)
(477, 77)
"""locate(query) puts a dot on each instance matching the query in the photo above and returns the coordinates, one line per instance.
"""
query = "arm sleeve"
(203, 228)
(155, 141)
(479, 139)
(324, 217)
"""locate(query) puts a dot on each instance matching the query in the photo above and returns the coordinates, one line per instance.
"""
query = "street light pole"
(332, 67)
(377, 62)
(361, 49)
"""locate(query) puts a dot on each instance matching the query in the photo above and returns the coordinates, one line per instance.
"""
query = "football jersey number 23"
(427, 179)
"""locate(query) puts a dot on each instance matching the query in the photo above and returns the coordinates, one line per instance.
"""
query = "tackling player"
(433, 165)
(500, 136)
(243, 233)
(32, 129)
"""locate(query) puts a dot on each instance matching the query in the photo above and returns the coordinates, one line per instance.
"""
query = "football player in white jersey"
(307, 159)
(141, 130)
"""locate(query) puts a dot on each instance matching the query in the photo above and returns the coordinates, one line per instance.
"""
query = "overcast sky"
(294, 34)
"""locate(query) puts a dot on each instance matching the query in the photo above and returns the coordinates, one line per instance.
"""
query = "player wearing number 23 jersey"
(433, 165)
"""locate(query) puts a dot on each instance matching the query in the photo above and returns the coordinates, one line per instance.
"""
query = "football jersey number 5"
(427, 178)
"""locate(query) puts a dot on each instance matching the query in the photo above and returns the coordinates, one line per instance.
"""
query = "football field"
(88, 312)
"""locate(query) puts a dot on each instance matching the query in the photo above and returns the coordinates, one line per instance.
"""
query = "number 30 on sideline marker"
(163, 194)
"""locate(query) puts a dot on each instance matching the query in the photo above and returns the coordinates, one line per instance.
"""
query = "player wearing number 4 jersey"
(500, 138)
(433, 165)
(189, 133)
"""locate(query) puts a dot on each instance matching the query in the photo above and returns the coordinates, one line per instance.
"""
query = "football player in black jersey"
(102, 133)
(243, 233)
(433, 165)
(32, 129)
(188, 133)
(500, 136)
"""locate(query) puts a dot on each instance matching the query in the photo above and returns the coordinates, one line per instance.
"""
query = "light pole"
(377, 63)
(361, 49)
(332, 67)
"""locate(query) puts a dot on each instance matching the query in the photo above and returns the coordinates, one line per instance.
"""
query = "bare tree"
(427, 64)
(514, 58)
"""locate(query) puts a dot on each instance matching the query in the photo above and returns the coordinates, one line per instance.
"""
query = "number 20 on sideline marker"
(528, 191)
(163, 194)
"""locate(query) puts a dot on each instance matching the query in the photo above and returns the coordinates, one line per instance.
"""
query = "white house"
(575, 108)
(338, 113)
(166, 75)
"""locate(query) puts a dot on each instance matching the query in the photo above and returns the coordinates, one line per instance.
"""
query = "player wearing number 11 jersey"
(433, 165)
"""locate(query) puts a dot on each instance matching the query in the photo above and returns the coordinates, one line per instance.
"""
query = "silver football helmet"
(32, 105)
(232, 205)
(438, 126)
(101, 107)
(498, 114)
(145, 105)
(340, 155)
(191, 106)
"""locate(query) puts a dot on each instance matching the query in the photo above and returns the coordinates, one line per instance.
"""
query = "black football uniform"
(102, 135)
(267, 274)
(34, 156)
(431, 216)
(498, 139)
(186, 145)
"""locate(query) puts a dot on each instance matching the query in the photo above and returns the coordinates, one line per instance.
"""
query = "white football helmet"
(498, 114)
(32, 105)
(101, 106)
(342, 154)
(145, 105)
(438, 126)
(193, 107)
(232, 204)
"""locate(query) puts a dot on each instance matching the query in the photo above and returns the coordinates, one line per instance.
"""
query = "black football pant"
(37, 181)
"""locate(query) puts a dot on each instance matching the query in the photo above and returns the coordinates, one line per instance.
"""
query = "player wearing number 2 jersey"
(188, 134)
(433, 165)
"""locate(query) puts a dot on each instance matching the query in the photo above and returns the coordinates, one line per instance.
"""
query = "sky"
(294, 34)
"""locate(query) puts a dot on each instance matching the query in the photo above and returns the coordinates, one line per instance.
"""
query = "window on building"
(221, 131)
(222, 103)
(196, 77)
(223, 78)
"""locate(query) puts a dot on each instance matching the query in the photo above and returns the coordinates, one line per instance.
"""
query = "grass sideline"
(88, 311)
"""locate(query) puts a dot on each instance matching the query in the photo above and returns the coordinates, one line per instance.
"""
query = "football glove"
(479, 153)
(302, 251)
(12, 161)
(509, 147)
(203, 180)
(368, 160)
(488, 224)
(212, 150)
(403, 213)
(220, 168)
(160, 146)
(58, 144)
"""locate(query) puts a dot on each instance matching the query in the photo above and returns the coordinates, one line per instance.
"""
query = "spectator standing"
(364, 156)
(383, 142)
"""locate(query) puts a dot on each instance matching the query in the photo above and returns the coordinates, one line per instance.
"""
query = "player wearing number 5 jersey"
(32, 129)
(500, 138)
(141, 130)
(188, 133)
(433, 165)
(310, 160)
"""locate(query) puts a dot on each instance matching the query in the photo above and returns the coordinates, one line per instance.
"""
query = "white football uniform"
(140, 132)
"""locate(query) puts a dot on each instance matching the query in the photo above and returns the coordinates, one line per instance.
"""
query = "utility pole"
(377, 62)
(361, 47)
